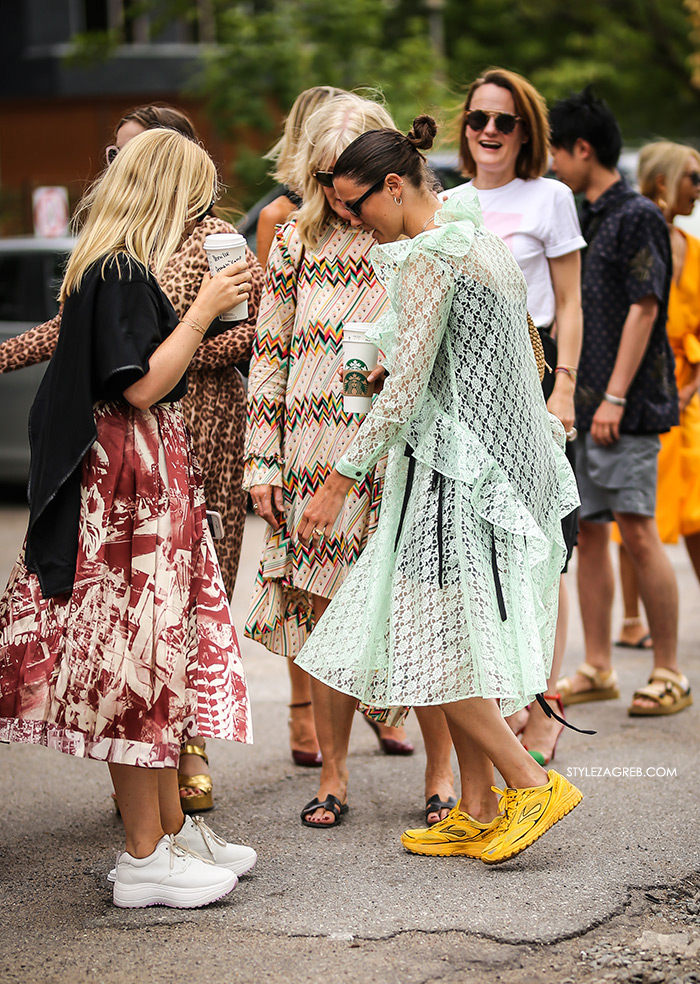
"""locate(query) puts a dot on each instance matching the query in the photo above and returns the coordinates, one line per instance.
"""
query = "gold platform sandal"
(196, 802)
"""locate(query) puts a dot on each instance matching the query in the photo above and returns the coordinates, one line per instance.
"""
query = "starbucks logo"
(355, 382)
(355, 364)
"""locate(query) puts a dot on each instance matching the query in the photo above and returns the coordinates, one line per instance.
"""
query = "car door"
(29, 281)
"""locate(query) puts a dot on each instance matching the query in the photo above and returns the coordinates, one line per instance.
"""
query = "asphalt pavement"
(349, 904)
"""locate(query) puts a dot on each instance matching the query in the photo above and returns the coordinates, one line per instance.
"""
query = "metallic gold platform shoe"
(203, 799)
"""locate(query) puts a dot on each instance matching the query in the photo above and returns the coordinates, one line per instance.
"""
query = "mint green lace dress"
(456, 594)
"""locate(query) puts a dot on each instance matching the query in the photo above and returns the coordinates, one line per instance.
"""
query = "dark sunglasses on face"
(694, 178)
(478, 118)
(354, 208)
(111, 152)
(324, 178)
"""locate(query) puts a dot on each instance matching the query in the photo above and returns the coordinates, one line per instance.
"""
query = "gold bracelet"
(194, 324)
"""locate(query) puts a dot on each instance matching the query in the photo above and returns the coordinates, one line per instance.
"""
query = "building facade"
(57, 114)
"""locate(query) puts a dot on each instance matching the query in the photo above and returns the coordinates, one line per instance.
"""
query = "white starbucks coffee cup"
(222, 250)
(359, 359)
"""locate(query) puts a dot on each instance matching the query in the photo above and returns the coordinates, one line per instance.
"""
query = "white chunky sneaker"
(170, 876)
(196, 836)
(199, 839)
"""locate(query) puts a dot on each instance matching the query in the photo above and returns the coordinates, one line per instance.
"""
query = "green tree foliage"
(643, 56)
(637, 54)
(267, 52)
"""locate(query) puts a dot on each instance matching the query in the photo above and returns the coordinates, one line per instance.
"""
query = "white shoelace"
(183, 852)
(207, 834)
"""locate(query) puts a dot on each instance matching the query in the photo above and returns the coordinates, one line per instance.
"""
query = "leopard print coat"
(215, 404)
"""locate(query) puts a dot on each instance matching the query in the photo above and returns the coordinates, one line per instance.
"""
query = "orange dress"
(678, 483)
(678, 488)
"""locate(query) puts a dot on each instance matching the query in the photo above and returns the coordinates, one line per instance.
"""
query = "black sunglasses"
(478, 118)
(355, 207)
(324, 178)
(111, 152)
(694, 178)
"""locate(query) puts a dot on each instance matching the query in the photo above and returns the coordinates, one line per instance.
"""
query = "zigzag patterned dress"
(297, 429)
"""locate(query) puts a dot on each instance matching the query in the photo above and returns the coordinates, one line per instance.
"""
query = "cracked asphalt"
(612, 893)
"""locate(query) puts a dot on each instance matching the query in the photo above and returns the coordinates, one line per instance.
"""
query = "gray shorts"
(620, 478)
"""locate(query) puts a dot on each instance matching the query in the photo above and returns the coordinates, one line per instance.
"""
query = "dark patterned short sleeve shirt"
(628, 259)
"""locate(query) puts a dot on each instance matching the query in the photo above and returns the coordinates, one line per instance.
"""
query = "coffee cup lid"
(361, 326)
(224, 240)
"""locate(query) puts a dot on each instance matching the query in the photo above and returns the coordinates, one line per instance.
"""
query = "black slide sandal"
(435, 804)
(331, 803)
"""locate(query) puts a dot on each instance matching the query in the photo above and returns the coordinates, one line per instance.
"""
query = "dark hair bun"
(423, 132)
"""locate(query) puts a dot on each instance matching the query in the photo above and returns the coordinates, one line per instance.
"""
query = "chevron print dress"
(297, 429)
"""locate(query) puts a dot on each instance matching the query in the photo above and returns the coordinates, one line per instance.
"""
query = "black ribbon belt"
(437, 484)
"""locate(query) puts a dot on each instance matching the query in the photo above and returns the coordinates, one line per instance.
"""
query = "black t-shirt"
(109, 330)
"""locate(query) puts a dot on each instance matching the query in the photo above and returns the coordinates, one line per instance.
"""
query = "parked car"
(31, 270)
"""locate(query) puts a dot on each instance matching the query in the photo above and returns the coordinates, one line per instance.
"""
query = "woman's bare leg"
(480, 734)
(302, 730)
(541, 732)
(334, 713)
(169, 802)
(138, 795)
(439, 777)
(333, 716)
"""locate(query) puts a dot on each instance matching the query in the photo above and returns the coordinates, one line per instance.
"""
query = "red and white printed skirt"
(143, 654)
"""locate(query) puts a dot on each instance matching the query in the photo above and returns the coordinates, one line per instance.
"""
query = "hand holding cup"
(226, 289)
(376, 378)
(360, 367)
(223, 250)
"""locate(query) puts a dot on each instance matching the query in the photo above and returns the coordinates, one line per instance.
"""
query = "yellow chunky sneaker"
(529, 813)
(458, 833)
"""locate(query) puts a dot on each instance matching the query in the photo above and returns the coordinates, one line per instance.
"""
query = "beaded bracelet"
(569, 370)
(194, 324)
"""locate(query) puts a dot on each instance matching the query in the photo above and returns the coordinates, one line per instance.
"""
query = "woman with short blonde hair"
(661, 167)
(327, 133)
(214, 405)
(139, 208)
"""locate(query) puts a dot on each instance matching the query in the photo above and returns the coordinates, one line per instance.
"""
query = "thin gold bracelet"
(194, 324)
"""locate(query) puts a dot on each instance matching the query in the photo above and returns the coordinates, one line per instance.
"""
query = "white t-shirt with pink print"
(538, 221)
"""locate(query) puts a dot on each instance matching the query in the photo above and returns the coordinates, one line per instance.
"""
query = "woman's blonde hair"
(530, 106)
(285, 150)
(141, 204)
(326, 134)
(667, 160)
